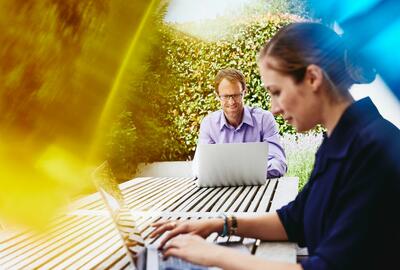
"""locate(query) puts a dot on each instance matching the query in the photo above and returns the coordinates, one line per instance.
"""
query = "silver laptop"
(231, 164)
(141, 255)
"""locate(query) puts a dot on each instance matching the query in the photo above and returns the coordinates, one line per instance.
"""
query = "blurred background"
(130, 81)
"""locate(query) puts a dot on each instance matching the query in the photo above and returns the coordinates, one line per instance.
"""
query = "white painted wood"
(265, 201)
(86, 238)
(277, 251)
(166, 168)
(58, 251)
(285, 192)
(248, 199)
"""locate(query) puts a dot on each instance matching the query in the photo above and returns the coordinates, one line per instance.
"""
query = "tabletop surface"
(85, 237)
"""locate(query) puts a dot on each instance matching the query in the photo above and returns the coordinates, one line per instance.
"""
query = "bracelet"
(225, 228)
(234, 225)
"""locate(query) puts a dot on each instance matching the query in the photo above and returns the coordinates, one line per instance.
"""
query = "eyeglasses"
(235, 97)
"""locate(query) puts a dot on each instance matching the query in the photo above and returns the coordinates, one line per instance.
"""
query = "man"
(236, 123)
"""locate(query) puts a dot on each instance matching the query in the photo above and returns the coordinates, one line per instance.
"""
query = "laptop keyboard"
(174, 263)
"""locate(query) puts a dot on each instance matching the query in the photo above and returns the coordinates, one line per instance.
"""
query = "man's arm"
(277, 165)
(205, 131)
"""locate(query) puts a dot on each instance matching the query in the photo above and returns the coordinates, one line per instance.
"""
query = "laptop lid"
(124, 221)
(231, 164)
(140, 257)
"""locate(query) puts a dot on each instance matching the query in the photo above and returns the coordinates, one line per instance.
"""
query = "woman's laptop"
(141, 256)
(231, 164)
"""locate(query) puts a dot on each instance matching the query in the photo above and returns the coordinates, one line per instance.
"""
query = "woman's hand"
(194, 249)
(201, 227)
(197, 250)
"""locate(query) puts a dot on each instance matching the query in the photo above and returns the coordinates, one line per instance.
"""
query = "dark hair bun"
(359, 70)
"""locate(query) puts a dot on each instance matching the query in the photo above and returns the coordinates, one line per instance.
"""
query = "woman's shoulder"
(380, 131)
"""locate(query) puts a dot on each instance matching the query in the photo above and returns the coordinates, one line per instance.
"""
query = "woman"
(347, 215)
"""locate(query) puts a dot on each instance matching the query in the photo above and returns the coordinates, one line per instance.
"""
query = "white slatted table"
(85, 237)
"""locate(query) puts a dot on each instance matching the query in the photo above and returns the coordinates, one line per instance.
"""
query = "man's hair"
(232, 75)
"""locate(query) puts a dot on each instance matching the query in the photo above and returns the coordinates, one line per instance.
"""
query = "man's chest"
(240, 135)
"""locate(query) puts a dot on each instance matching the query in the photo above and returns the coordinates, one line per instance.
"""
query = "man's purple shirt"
(257, 125)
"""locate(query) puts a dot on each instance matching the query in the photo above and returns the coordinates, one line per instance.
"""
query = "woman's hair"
(299, 45)
(232, 75)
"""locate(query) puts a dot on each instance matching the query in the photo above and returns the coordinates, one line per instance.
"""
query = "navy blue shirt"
(348, 214)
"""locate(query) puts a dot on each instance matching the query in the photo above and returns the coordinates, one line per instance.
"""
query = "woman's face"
(296, 102)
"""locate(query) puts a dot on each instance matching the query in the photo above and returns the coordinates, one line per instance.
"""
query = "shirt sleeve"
(277, 165)
(359, 216)
(205, 131)
(291, 216)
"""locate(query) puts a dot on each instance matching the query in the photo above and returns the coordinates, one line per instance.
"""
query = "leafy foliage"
(300, 154)
(168, 101)
(194, 64)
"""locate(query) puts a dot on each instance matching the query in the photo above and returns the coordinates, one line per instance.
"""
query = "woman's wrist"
(229, 226)
(219, 225)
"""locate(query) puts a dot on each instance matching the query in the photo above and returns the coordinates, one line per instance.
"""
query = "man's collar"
(247, 119)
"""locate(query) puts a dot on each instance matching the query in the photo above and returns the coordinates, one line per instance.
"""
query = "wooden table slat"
(256, 200)
(265, 200)
(285, 192)
(201, 204)
(194, 200)
(227, 204)
(25, 247)
(136, 198)
(91, 252)
(86, 238)
(239, 199)
(54, 248)
(247, 200)
(77, 248)
(116, 261)
(223, 199)
(212, 201)
(164, 195)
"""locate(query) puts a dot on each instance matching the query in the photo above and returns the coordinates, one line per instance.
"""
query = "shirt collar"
(336, 146)
(356, 116)
(247, 119)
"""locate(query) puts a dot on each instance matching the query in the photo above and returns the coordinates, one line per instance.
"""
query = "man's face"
(231, 97)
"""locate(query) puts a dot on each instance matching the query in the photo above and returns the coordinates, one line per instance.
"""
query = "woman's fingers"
(171, 234)
(162, 227)
(159, 223)
(171, 252)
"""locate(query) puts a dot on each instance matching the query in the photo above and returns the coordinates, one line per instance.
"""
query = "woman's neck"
(334, 112)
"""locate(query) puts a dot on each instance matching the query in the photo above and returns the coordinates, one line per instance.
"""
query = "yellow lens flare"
(61, 80)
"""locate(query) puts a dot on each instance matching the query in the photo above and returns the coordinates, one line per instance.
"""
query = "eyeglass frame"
(235, 97)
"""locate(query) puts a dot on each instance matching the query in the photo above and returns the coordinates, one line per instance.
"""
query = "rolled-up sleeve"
(291, 216)
(277, 165)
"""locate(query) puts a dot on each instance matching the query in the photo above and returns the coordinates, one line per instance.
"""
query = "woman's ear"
(314, 77)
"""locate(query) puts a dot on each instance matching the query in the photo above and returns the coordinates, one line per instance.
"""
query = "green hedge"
(165, 107)
(194, 64)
